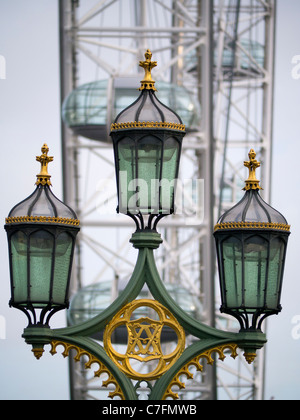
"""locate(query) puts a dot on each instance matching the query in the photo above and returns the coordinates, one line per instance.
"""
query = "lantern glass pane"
(41, 256)
(232, 286)
(127, 173)
(245, 271)
(256, 253)
(149, 112)
(275, 272)
(149, 173)
(63, 251)
(252, 271)
(147, 169)
(169, 173)
(42, 203)
(43, 206)
(22, 208)
(252, 208)
(19, 267)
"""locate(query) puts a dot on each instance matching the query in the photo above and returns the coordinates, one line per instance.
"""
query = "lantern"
(41, 233)
(147, 139)
(251, 240)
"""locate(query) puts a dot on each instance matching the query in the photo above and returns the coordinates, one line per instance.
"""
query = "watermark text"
(296, 67)
(135, 195)
(296, 328)
(2, 328)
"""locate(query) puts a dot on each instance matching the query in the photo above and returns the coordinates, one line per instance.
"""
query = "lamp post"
(41, 232)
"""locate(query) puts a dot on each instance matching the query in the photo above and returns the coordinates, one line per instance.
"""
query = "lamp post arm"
(146, 242)
(191, 356)
(203, 349)
(145, 271)
(100, 321)
(77, 337)
(160, 293)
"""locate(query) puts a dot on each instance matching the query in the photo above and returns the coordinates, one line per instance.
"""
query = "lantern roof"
(147, 111)
(42, 206)
(252, 211)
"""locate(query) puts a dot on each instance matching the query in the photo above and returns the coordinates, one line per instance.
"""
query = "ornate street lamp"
(41, 233)
(147, 139)
(251, 240)
(251, 244)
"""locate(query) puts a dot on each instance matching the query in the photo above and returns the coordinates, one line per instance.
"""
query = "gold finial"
(148, 82)
(38, 352)
(252, 183)
(250, 357)
(43, 177)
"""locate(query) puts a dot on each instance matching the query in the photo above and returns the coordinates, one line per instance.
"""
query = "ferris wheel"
(215, 69)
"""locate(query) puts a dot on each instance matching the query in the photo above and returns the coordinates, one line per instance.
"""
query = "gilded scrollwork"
(147, 124)
(42, 219)
(252, 225)
(176, 381)
(117, 392)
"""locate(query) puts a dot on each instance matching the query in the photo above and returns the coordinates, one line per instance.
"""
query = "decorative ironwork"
(147, 124)
(144, 331)
(42, 219)
(38, 352)
(148, 65)
(176, 381)
(144, 339)
(92, 359)
(252, 225)
(43, 177)
(252, 183)
(250, 357)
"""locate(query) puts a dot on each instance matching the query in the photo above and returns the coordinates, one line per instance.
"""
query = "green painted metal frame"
(145, 272)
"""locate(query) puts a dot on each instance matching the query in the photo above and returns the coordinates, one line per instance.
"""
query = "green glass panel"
(149, 172)
(256, 251)
(277, 250)
(169, 172)
(19, 266)
(232, 254)
(144, 185)
(63, 250)
(127, 174)
(252, 278)
(41, 254)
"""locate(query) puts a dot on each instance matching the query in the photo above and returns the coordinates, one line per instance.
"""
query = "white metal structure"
(244, 32)
(202, 45)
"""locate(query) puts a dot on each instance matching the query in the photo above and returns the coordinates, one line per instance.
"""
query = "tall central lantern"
(147, 138)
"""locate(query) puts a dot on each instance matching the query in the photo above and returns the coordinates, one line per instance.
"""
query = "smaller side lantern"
(41, 232)
(251, 240)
